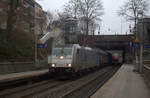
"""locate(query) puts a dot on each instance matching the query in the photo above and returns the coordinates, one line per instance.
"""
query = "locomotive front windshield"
(60, 51)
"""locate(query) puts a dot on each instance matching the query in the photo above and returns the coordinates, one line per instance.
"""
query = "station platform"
(21, 75)
(124, 84)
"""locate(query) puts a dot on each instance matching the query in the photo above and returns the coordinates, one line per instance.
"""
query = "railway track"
(57, 89)
(17, 80)
(88, 89)
(29, 90)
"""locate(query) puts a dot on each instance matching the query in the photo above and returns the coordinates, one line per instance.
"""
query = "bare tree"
(62, 17)
(13, 5)
(133, 10)
(15, 11)
(72, 8)
(93, 27)
(42, 24)
(50, 17)
(88, 10)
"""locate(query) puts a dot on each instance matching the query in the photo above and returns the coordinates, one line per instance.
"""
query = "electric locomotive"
(73, 59)
(117, 58)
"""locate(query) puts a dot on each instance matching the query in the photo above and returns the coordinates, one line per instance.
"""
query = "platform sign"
(136, 44)
(146, 46)
(133, 46)
(42, 45)
(39, 42)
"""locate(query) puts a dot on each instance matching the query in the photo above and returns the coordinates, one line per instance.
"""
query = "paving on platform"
(21, 75)
(124, 84)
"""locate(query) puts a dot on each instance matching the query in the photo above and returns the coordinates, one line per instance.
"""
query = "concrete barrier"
(15, 67)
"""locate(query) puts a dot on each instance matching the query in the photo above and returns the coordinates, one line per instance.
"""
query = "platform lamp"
(136, 44)
(141, 42)
(99, 30)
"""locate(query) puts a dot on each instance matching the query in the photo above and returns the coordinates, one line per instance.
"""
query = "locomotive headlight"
(53, 65)
(61, 57)
(69, 65)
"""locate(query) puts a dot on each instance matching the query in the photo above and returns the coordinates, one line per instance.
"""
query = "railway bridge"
(112, 43)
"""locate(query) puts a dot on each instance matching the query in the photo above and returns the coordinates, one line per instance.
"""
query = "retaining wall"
(15, 67)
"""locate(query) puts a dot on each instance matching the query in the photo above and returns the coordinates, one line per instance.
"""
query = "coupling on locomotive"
(74, 58)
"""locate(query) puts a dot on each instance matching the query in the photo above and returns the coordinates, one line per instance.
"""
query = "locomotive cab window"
(60, 51)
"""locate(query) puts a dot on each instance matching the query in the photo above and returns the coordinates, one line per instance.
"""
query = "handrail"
(147, 67)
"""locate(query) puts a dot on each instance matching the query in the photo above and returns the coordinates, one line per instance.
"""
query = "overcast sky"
(110, 20)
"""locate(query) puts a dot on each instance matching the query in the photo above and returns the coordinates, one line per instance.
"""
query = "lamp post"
(35, 45)
(141, 45)
(141, 57)
(35, 56)
(36, 40)
(99, 30)
(136, 45)
(121, 25)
